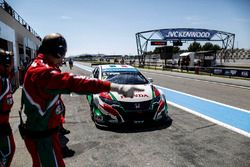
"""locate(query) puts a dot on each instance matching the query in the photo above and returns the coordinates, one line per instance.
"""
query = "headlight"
(156, 94)
(106, 98)
(107, 101)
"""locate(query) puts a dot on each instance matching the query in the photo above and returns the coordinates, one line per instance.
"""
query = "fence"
(17, 17)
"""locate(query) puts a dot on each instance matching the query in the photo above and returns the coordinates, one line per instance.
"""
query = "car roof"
(117, 67)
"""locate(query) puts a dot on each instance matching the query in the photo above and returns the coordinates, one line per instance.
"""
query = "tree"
(216, 47)
(195, 46)
(157, 50)
(148, 53)
(207, 46)
(176, 49)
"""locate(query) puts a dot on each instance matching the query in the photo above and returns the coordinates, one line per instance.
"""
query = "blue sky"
(109, 26)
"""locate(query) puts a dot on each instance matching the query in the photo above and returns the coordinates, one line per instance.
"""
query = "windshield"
(122, 77)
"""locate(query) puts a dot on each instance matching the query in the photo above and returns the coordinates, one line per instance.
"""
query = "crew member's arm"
(63, 83)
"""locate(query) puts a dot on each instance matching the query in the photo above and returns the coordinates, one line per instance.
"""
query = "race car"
(110, 108)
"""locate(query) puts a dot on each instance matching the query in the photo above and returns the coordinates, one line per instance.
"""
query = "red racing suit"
(43, 84)
(7, 144)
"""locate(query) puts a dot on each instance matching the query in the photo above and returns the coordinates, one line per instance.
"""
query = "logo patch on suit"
(59, 108)
(9, 99)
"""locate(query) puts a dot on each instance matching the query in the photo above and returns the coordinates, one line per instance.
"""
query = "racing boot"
(64, 131)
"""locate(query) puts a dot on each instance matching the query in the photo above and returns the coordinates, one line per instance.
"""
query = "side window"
(93, 72)
(96, 73)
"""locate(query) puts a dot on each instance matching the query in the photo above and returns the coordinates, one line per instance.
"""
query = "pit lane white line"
(211, 119)
(206, 111)
(87, 68)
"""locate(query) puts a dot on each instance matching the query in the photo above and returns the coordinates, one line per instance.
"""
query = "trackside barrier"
(223, 71)
(232, 72)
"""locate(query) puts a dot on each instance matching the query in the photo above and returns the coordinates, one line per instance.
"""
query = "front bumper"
(149, 115)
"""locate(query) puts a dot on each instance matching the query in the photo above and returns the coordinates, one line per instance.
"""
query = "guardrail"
(17, 17)
(222, 71)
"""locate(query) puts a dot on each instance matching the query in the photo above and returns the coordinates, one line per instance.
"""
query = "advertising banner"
(187, 34)
(232, 72)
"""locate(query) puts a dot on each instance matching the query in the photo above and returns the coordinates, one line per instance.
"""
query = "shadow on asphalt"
(136, 128)
(80, 148)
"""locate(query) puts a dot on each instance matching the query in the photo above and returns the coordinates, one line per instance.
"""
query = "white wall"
(8, 34)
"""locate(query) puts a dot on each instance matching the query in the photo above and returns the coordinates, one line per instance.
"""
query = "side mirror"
(150, 80)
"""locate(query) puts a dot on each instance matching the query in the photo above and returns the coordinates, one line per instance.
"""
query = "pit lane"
(189, 141)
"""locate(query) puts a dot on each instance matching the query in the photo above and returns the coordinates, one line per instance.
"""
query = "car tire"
(101, 127)
(167, 120)
(92, 112)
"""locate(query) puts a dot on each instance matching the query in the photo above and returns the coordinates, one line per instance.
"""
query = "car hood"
(139, 95)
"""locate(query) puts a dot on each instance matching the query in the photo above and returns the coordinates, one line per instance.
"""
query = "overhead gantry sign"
(179, 35)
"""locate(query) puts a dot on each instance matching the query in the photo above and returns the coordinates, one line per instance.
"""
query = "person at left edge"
(7, 144)
(43, 84)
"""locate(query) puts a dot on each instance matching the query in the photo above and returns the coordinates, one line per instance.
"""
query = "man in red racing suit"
(43, 84)
(7, 144)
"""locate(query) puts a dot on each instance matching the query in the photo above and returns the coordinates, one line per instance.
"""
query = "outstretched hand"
(125, 90)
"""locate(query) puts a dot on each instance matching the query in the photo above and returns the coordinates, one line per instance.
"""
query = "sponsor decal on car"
(141, 95)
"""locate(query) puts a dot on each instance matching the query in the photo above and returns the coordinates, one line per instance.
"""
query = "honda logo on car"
(137, 105)
(140, 95)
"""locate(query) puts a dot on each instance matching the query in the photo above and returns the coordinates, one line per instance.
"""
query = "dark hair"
(53, 44)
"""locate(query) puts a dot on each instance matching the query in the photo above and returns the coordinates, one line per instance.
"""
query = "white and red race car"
(109, 108)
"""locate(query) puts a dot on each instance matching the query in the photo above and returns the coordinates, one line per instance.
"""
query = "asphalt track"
(189, 141)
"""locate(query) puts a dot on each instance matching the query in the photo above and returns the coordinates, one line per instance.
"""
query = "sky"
(109, 26)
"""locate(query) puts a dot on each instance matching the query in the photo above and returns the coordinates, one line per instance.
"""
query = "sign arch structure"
(182, 35)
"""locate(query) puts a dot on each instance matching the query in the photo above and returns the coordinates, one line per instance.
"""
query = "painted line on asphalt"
(87, 68)
(230, 117)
